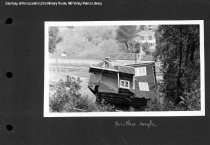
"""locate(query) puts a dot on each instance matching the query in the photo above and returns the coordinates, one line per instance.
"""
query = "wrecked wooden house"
(124, 86)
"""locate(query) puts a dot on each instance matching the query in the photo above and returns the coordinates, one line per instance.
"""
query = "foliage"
(142, 27)
(54, 39)
(88, 42)
(162, 103)
(191, 103)
(177, 50)
(65, 97)
(94, 42)
(146, 47)
(125, 34)
(65, 92)
(154, 105)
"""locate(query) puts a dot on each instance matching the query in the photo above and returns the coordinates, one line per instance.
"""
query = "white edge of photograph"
(46, 104)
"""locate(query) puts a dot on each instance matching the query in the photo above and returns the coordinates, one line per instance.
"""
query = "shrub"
(64, 92)
(102, 107)
(154, 105)
(65, 97)
(188, 102)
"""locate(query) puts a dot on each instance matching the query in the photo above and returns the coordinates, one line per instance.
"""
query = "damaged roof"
(142, 63)
(128, 69)
(120, 69)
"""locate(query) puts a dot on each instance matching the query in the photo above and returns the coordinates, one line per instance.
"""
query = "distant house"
(147, 36)
(129, 85)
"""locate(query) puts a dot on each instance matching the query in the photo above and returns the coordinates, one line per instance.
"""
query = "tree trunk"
(126, 44)
(178, 83)
(187, 54)
(192, 52)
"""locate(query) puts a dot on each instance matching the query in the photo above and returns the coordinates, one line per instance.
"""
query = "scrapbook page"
(104, 72)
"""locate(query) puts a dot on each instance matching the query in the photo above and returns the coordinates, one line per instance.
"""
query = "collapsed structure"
(123, 86)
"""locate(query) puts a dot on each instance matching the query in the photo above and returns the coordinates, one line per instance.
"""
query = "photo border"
(46, 110)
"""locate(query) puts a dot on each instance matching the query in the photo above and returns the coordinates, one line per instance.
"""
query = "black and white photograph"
(124, 68)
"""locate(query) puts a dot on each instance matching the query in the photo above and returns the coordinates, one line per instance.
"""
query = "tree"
(146, 47)
(178, 51)
(54, 39)
(88, 42)
(125, 34)
(142, 27)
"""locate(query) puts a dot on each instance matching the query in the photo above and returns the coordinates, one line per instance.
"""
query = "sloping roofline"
(102, 68)
(142, 63)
